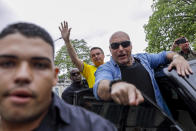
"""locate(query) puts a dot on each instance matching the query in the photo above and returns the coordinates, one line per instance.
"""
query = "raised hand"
(65, 31)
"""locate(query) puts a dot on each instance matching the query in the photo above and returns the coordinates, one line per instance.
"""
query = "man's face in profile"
(184, 46)
(27, 77)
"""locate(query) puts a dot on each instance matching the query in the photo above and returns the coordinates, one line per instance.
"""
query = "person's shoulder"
(90, 119)
(78, 118)
(69, 87)
(86, 120)
(107, 65)
(141, 55)
(67, 90)
(87, 66)
(151, 54)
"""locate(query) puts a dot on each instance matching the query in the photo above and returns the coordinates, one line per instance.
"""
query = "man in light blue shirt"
(125, 76)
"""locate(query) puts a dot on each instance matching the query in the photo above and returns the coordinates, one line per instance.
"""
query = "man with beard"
(27, 76)
(185, 49)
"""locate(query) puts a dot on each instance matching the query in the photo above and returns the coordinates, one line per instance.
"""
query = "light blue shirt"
(111, 71)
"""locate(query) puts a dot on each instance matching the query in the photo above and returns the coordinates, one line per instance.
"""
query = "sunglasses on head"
(116, 45)
(75, 74)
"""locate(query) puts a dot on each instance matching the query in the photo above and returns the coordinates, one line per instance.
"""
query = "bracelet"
(113, 82)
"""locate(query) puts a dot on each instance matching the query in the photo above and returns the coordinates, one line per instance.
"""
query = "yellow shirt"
(88, 73)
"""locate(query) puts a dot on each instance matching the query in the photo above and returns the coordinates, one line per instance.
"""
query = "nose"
(96, 56)
(23, 74)
(120, 47)
(78, 76)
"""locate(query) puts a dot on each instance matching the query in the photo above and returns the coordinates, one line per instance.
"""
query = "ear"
(56, 71)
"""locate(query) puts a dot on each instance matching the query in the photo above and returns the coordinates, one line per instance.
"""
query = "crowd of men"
(28, 74)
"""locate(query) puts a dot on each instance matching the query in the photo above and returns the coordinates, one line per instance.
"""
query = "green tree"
(170, 20)
(63, 60)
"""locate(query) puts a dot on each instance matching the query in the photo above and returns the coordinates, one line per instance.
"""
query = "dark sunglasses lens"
(115, 46)
(125, 44)
(75, 74)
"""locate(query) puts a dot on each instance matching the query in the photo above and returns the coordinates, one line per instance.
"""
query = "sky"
(92, 20)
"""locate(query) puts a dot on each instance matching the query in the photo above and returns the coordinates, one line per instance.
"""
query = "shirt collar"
(114, 63)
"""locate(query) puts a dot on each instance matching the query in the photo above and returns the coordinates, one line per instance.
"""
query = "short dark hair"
(28, 30)
(93, 48)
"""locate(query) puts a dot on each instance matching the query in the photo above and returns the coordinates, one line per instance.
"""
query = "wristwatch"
(113, 82)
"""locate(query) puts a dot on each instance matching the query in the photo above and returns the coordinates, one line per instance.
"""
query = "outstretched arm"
(65, 33)
(182, 66)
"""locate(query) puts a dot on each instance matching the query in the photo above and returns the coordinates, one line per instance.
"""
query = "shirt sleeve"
(88, 73)
(103, 73)
(85, 70)
(158, 59)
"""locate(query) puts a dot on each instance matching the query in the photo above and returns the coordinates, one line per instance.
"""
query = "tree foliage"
(63, 60)
(170, 19)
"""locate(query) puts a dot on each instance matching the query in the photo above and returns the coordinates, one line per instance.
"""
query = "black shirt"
(137, 75)
(65, 117)
(68, 93)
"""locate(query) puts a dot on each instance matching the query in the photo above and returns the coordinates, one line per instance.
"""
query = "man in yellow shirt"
(96, 55)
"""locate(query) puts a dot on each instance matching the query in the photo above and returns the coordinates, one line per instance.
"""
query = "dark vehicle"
(178, 92)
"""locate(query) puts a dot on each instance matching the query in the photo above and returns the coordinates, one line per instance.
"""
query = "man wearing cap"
(185, 49)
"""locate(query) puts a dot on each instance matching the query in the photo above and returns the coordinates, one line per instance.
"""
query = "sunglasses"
(75, 74)
(124, 44)
(181, 41)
